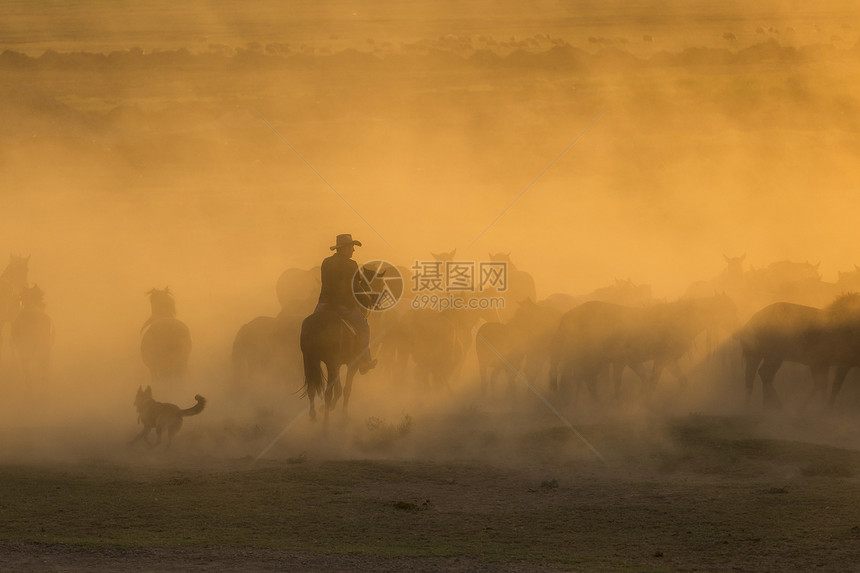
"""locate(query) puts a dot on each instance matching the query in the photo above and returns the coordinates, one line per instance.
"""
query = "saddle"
(334, 311)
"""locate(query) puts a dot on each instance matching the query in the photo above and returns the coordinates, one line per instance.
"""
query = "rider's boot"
(367, 363)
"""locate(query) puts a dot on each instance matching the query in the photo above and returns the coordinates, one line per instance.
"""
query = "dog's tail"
(197, 408)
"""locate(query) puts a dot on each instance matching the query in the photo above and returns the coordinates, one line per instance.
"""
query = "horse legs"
(753, 360)
(768, 372)
(676, 371)
(838, 379)
(533, 368)
(819, 382)
(552, 382)
(333, 389)
(590, 375)
(617, 378)
(486, 373)
(563, 379)
(513, 370)
(654, 378)
(492, 376)
(311, 410)
(639, 369)
(819, 374)
(44, 370)
(347, 390)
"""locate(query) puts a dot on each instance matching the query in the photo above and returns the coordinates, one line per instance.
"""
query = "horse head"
(526, 312)
(162, 303)
(370, 286)
(449, 256)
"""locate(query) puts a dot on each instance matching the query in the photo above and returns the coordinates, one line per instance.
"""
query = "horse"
(787, 281)
(33, 335)
(817, 338)
(166, 342)
(435, 332)
(589, 339)
(265, 349)
(731, 280)
(624, 292)
(13, 281)
(849, 281)
(520, 285)
(668, 332)
(500, 348)
(597, 334)
(437, 342)
(328, 339)
(523, 342)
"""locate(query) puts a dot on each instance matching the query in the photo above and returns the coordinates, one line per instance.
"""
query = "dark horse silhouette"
(437, 342)
(523, 342)
(33, 335)
(266, 350)
(327, 339)
(818, 338)
(598, 334)
(166, 342)
(13, 281)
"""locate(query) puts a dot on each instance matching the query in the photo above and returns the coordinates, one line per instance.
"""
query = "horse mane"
(846, 304)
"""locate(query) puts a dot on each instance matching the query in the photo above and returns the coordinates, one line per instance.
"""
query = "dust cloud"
(210, 149)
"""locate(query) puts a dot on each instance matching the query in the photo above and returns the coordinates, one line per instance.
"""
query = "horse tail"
(313, 374)
(311, 359)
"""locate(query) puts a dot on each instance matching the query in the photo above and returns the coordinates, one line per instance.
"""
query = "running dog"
(161, 416)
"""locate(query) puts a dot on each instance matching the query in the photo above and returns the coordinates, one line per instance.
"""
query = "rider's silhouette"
(339, 277)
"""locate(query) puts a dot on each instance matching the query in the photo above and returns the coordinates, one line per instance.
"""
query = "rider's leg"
(362, 330)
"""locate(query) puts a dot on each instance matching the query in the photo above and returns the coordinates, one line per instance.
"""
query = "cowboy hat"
(345, 240)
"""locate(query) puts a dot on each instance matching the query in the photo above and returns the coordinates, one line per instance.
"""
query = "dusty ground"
(461, 489)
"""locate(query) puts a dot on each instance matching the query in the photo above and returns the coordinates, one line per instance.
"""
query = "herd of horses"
(563, 343)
